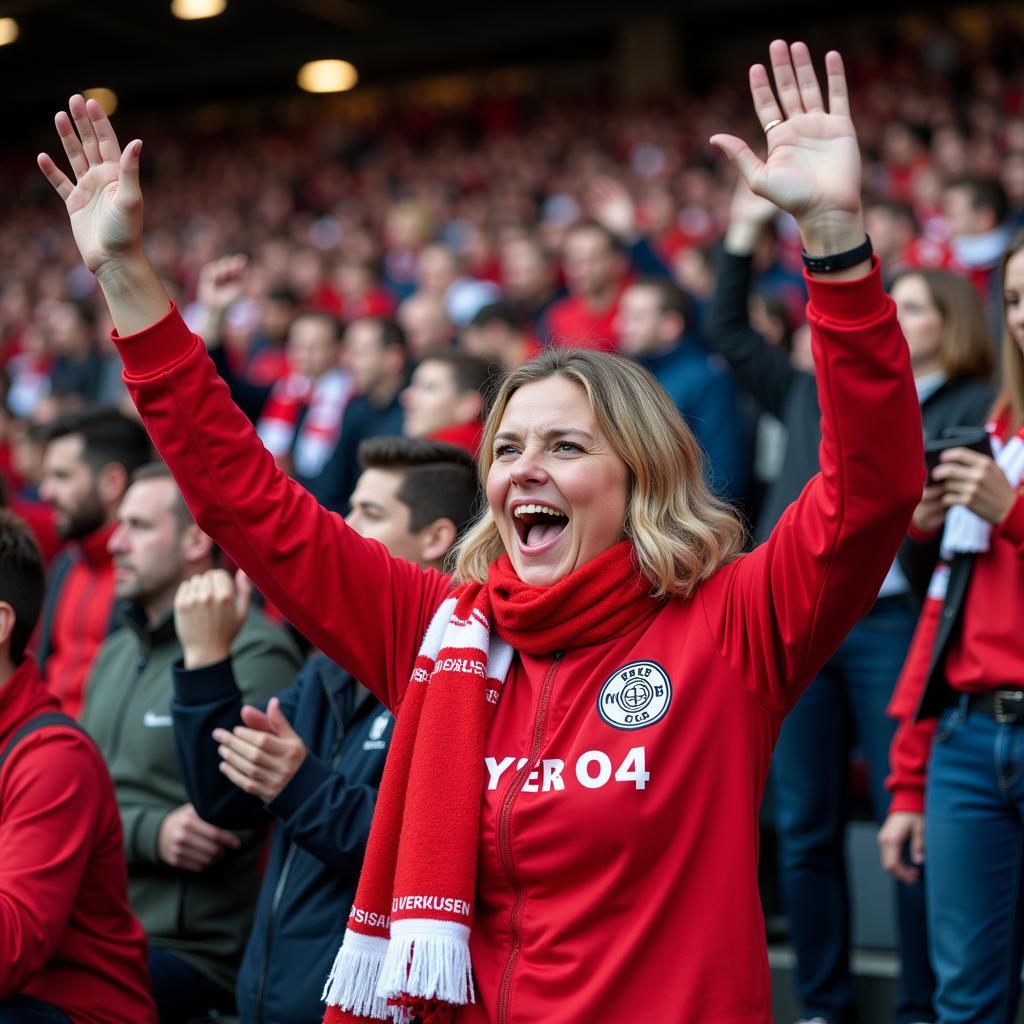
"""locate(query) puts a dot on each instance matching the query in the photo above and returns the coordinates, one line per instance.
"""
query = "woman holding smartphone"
(956, 759)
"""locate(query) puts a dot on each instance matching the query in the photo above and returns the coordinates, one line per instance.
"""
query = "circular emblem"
(636, 695)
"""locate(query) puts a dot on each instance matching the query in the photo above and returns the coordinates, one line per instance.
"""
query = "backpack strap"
(33, 724)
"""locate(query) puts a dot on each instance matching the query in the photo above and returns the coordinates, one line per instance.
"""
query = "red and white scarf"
(405, 955)
(324, 399)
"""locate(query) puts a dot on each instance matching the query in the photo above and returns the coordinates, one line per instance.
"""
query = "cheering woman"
(567, 825)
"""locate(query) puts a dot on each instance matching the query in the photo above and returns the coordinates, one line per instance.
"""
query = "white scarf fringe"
(355, 976)
(966, 532)
(428, 958)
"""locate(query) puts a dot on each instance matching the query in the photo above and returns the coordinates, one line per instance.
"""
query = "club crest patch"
(635, 696)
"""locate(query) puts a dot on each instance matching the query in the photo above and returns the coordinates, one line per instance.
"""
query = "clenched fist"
(209, 610)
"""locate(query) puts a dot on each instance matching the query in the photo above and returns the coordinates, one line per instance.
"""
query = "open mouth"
(538, 525)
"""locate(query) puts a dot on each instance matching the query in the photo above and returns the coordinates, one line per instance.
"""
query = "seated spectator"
(357, 281)
(70, 333)
(654, 328)
(529, 280)
(892, 228)
(266, 359)
(377, 358)
(498, 334)
(321, 742)
(192, 885)
(975, 211)
(298, 416)
(445, 399)
(424, 318)
(70, 948)
(300, 421)
(595, 272)
(441, 273)
(88, 461)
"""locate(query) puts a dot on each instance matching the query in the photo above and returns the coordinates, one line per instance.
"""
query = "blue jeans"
(26, 1010)
(974, 843)
(810, 775)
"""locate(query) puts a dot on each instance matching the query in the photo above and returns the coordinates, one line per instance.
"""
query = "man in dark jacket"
(377, 357)
(311, 759)
(655, 328)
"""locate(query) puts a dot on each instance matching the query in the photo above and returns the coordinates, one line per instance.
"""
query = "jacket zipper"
(505, 840)
(289, 857)
(275, 904)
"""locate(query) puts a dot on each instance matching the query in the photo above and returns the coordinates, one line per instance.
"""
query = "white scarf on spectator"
(966, 532)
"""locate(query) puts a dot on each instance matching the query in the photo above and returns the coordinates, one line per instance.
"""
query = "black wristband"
(840, 260)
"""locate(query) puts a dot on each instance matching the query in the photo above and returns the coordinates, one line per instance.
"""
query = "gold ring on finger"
(772, 124)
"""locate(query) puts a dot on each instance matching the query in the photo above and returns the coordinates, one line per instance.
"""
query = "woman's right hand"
(105, 202)
(900, 828)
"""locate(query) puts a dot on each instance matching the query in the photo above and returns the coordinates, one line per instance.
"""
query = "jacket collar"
(93, 547)
(150, 634)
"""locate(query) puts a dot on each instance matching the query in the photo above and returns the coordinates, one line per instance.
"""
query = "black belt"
(1005, 706)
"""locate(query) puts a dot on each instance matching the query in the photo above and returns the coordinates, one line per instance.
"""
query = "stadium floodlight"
(8, 31)
(106, 98)
(193, 10)
(327, 76)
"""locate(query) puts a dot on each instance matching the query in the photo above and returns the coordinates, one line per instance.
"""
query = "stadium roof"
(139, 49)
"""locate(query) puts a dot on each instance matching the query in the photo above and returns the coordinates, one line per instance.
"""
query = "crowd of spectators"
(358, 284)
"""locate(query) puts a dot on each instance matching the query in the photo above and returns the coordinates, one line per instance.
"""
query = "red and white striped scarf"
(405, 955)
(326, 398)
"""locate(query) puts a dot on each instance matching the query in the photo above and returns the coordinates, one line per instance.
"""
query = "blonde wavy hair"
(681, 533)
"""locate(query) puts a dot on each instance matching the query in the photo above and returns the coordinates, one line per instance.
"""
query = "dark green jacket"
(204, 918)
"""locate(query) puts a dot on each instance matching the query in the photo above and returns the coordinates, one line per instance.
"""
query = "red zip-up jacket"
(67, 934)
(619, 827)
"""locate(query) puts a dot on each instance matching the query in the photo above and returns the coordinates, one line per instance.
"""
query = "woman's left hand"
(975, 481)
(813, 167)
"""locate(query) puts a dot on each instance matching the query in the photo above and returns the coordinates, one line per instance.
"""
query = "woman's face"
(1013, 297)
(556, 489)
(920, 320)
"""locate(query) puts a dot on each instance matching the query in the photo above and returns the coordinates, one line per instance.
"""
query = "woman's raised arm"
(365, 609)
(791, 601)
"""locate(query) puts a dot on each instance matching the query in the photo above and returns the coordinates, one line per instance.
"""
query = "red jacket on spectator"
(572, 323)
(621, 883)
(76, 618)
(462, 435)
(67, 934)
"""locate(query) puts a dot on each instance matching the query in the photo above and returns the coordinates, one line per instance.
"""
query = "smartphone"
(974, 438)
